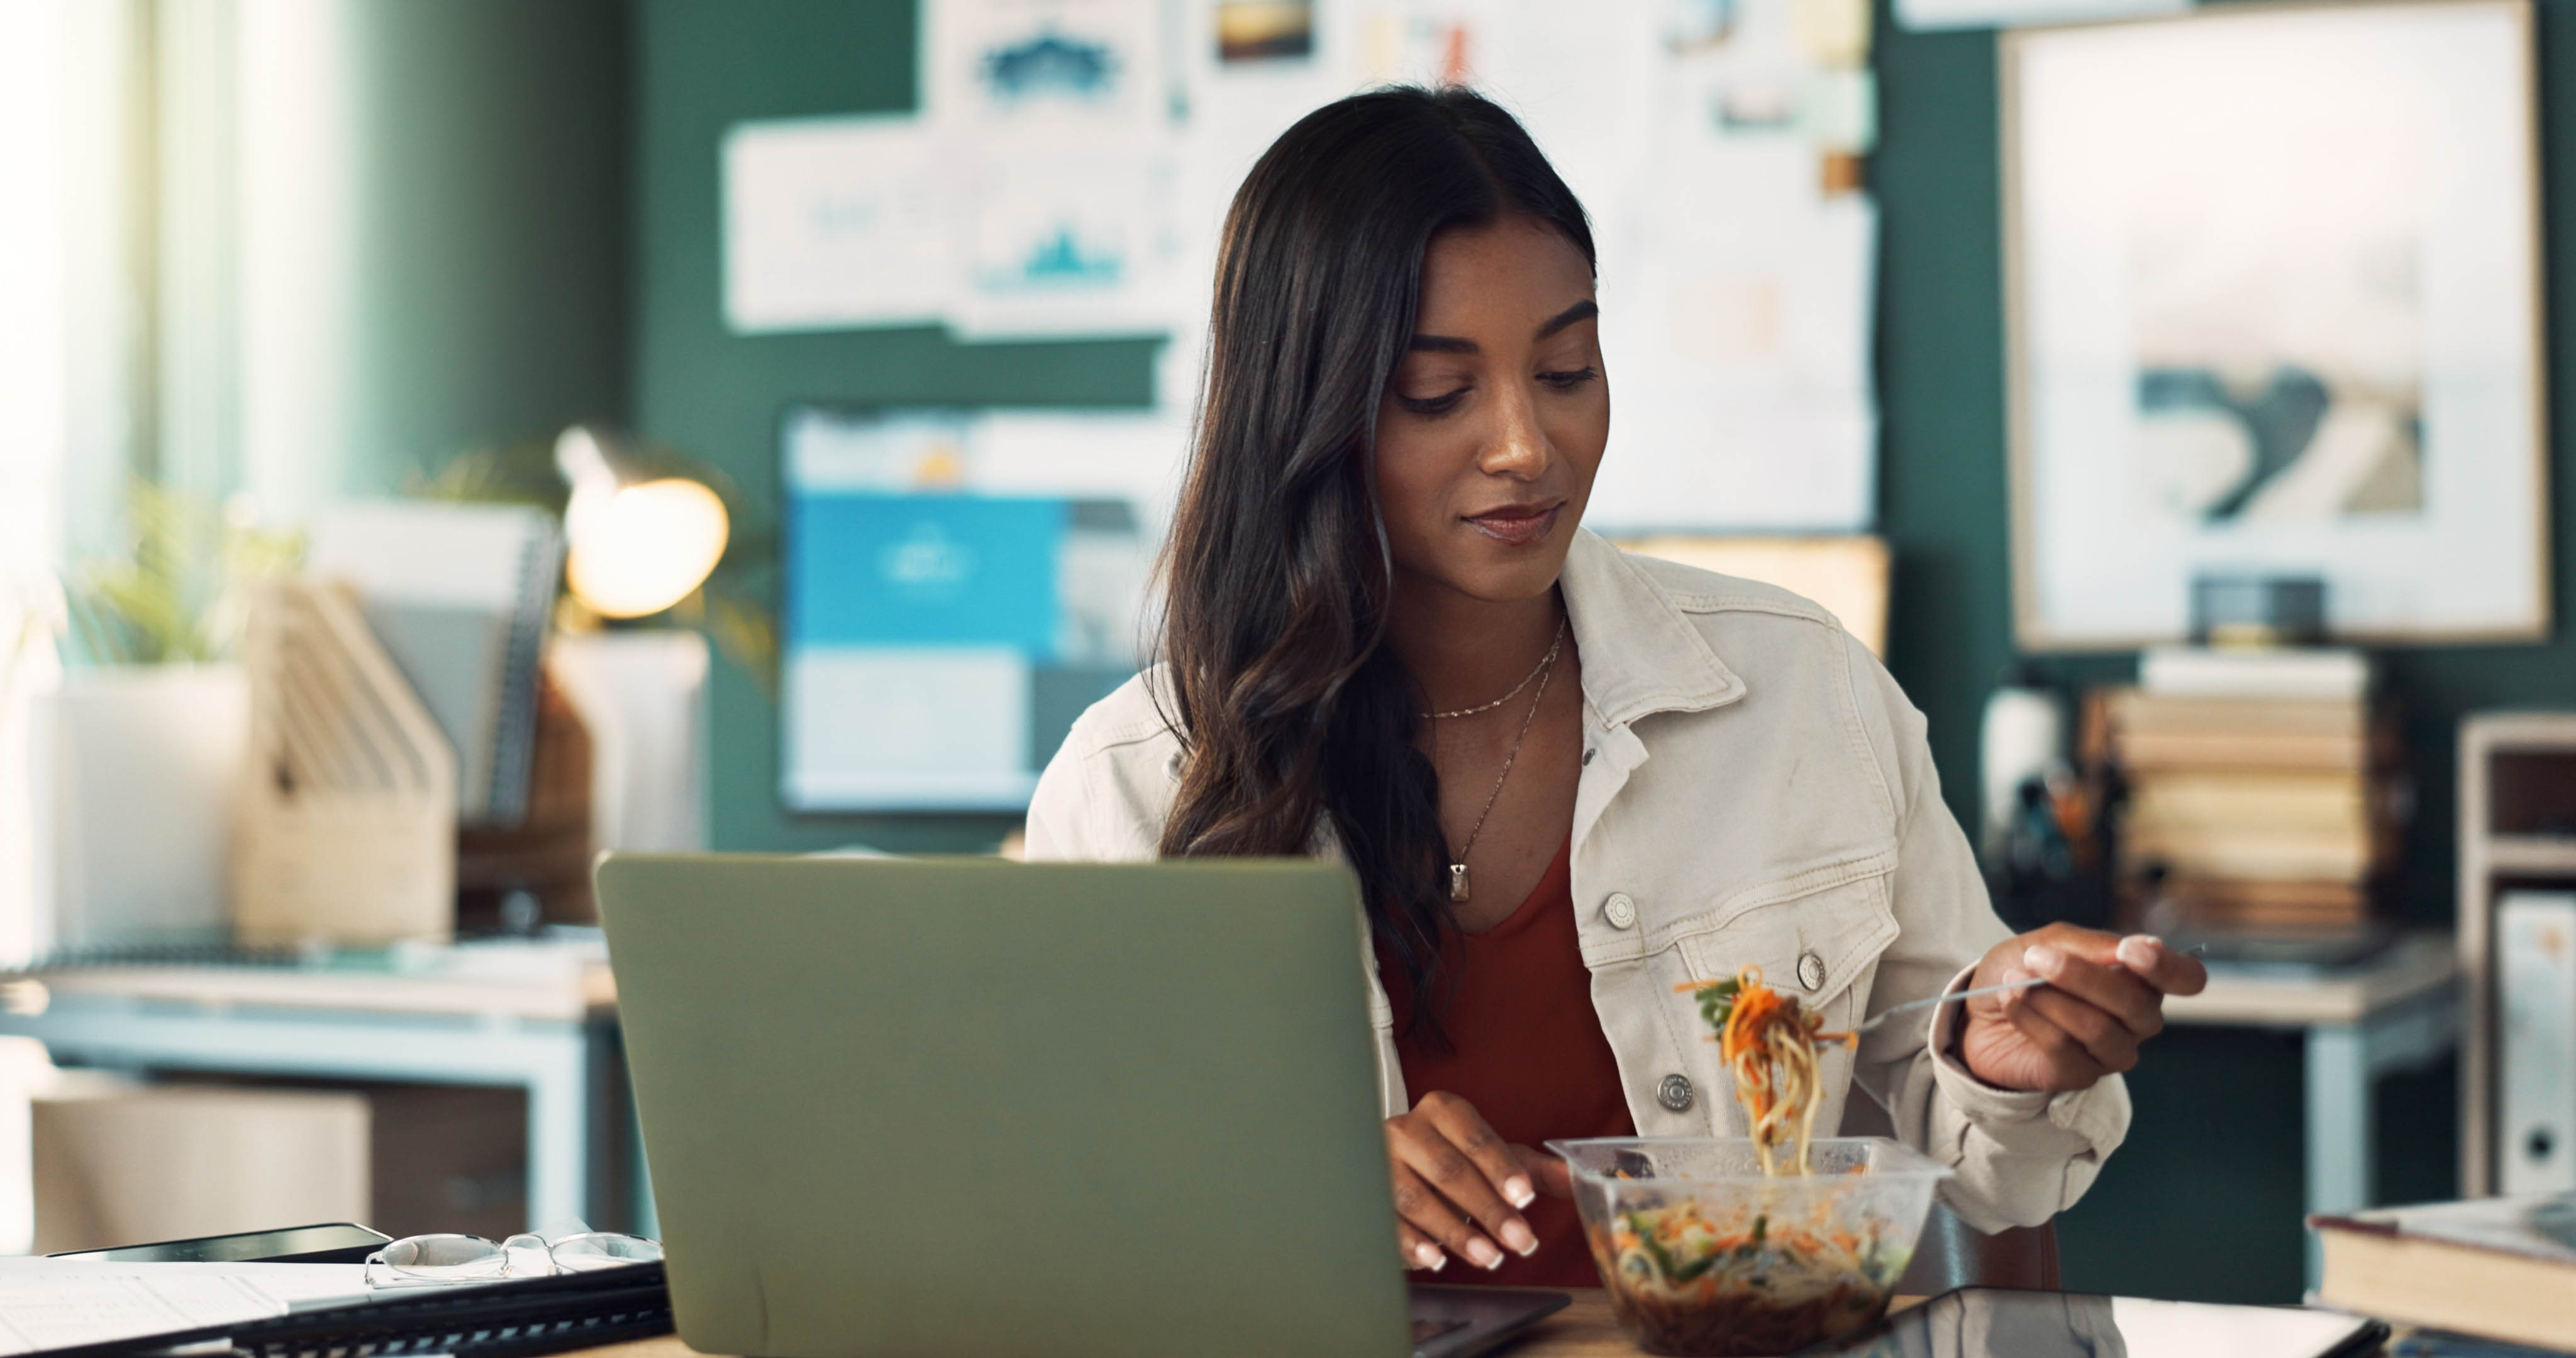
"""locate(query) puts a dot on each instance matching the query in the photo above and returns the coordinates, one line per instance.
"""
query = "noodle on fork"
(1771, 1046)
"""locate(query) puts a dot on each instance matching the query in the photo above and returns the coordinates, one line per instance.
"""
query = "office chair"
(1953, 1254)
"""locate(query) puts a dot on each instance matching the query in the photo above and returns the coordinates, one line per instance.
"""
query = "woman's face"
(1493, 426)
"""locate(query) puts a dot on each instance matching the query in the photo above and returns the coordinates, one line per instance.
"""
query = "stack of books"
(2498, 1268)
(2258, 795)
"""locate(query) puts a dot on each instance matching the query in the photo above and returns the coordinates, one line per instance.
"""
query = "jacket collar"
(1640, 654)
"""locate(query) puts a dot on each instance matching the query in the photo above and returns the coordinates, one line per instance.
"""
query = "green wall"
(701, 68)
(460, 276)
(2204, 1201)
(493, 218)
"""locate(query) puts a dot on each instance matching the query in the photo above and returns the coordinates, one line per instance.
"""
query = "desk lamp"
(639, 542)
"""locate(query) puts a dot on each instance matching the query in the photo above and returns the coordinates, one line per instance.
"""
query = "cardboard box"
(118, 1162)
(450, 1158)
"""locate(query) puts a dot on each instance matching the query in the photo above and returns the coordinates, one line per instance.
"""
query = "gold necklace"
(1546, 670)
(1543, 662)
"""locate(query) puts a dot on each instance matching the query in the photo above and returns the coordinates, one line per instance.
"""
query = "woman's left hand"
(2105, 995)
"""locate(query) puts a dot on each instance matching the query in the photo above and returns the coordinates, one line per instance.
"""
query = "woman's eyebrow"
(1451, 344)
(1581, 311)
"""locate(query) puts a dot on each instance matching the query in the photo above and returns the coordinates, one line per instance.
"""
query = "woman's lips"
(1515, 526)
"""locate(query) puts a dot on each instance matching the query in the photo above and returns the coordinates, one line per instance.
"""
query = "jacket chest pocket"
(1813, 948)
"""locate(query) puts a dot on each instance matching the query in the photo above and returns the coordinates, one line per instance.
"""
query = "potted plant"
(132, 757)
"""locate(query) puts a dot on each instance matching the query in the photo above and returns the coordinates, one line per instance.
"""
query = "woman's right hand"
(1458, 1185)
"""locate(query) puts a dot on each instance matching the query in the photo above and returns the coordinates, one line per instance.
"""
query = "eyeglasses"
(429, 1260)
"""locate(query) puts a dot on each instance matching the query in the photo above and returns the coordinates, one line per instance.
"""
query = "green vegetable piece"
(1696, 1267)
(1654, 1248)
(1717, 1001)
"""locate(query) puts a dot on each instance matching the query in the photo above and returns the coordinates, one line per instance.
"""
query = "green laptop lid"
(966, 1106)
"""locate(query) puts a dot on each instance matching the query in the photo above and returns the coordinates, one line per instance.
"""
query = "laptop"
(968, 1106)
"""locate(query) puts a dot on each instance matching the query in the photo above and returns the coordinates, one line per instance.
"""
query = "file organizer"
(347, 827)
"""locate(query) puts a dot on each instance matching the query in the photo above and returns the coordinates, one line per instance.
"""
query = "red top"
(1525, 1048)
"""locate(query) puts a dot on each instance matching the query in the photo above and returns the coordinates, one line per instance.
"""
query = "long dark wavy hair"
(1294, 713)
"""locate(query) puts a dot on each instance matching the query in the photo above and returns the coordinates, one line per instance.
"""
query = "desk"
(2397, 1011)
(1582, 1330)
(542, 1023)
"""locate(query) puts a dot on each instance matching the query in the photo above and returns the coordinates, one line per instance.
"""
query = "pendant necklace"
(1546, 670)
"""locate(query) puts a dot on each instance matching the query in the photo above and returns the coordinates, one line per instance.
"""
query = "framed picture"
(2275, 308)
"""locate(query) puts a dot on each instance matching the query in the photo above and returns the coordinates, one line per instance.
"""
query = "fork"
(1936, 1001)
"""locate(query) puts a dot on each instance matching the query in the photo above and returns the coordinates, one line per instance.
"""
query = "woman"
(1569, 780)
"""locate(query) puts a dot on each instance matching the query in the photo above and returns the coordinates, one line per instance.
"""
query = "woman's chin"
(1526, 573)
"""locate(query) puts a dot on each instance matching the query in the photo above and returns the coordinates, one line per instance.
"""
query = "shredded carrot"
(1769, 1043)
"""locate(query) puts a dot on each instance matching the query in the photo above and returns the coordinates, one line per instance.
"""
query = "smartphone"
(338, 1242)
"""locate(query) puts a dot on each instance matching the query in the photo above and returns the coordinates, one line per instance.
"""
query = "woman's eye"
(1570, 379)
(1433, 405)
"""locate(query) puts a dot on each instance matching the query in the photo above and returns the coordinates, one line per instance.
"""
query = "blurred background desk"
(2393, 1012)
(538, 1018)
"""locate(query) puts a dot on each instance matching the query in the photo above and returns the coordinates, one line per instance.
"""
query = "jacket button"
(1674, 1093)
(1619, 910)
(1811, 971)
(1587, 757)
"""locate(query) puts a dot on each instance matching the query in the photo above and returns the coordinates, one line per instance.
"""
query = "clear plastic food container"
(1703, 1255)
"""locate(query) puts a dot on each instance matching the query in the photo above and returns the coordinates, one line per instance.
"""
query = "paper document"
(1061, 113)
(834, 222)
(1924, 16)
(58, 1303)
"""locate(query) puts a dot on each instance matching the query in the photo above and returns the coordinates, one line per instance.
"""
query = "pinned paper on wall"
(1935, 15)
(1742, 367)
(1067, 239)
(1059, 116)
(1738, 284)
(960, 586)
(1070, 170)
(834, 222)
(1010, 65)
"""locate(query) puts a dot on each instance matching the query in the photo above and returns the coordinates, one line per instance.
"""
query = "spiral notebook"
(496, 1320)
(461, 596)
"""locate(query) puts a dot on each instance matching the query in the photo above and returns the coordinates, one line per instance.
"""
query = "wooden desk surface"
(1582, 1330)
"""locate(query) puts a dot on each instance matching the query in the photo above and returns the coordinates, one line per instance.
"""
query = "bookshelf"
(2517, 828)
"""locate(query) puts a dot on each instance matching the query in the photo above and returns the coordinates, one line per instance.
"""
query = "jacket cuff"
(2097, 1123)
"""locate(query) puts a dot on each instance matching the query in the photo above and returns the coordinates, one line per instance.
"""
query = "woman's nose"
(1516, 447)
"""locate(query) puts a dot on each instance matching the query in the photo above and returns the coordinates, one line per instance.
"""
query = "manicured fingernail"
(1518, 1190)
(2137, 952)
(1429, 1256)
(1485, 1255)
(1519, 1237)
(2041, 958)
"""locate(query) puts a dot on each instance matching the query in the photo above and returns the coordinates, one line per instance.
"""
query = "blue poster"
(873, 569)
(939, 642)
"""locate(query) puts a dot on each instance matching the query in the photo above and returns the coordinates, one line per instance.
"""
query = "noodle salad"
(1693, 1283)
(1771, 1046)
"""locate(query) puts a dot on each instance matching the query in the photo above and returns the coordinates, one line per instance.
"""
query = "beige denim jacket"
(1755, 789)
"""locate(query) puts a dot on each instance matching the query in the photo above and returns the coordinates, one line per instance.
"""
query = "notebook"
(461, 596)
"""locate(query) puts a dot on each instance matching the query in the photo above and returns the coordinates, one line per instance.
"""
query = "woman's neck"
(1464, 651)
